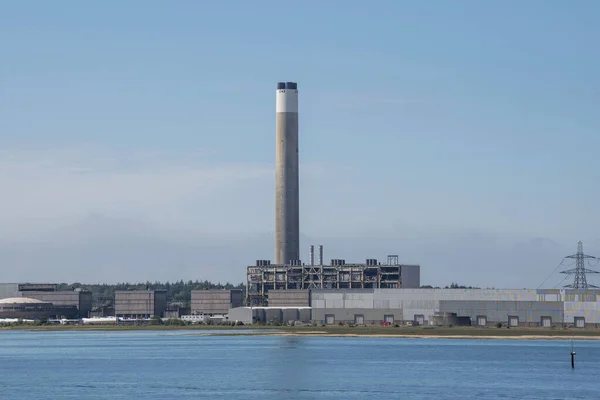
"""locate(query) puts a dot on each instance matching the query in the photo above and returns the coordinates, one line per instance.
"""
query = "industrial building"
(46, 292)
(481, 307)
(289, 298)
(215, 302)
(265, 278)
(134, 304)
(26, 308)
(283, 315)
(417, 307)
(80, 299)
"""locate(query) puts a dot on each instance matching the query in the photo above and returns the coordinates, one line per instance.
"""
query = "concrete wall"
(411, 276)
(528, 312)
(269, 314)
(422, 304)
(160, 302)
(237, 298)
(287, 198)
(215, 301)
(8, 290)
(589, 310)
(140, 303)
(38, 312)
(289, 298)
(81, 300)
(348, 315)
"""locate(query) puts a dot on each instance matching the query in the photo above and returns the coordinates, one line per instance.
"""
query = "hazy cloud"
(86, 215)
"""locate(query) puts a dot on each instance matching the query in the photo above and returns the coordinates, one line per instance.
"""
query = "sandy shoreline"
(334, 331)
(403, 336)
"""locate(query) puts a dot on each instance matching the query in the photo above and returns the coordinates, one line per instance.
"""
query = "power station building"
(215, 302)
(265, 278)
(426, 307)
(47, 293)
(26, 308)
(134, 304)
(289, 272)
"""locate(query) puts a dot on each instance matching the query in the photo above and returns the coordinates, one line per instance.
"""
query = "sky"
(137, 139)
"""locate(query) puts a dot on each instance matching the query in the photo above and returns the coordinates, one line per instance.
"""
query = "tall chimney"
(311, 255)
(320, 254)
(287, 197)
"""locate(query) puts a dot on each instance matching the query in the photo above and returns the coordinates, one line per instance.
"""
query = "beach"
(521, 333)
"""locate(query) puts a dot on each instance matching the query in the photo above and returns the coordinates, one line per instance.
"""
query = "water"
(183, 365)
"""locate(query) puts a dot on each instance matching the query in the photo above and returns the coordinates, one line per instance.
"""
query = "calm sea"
(183, 365)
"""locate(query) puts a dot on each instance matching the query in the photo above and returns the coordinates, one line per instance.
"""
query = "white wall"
(589, 310)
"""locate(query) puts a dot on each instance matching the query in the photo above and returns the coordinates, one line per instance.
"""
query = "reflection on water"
(289, 342)
(156, 365)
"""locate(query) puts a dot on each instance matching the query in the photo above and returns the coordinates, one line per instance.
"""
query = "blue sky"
(460, 135)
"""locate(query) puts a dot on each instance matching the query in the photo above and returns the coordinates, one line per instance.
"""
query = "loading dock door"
(330, 319)
(579, 322)
(420, 320)
(359, 319)
(513, 321)
(481, 320)
(388, 319)
(546, 322)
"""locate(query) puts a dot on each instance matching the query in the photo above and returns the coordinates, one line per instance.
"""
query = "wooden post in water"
(572, 356)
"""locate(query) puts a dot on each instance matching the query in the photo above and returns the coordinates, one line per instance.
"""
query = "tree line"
(177, 292)
(453, 285)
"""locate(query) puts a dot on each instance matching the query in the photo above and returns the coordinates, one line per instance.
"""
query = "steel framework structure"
(264, 276)
(580, 271)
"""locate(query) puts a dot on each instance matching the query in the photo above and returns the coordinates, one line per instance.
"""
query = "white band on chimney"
(287, 101)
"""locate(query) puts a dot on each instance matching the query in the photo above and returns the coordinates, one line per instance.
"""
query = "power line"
(553, 271)
(561, 281)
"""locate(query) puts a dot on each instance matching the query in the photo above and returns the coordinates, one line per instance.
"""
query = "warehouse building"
(135, 304)
(481, 307)
(215, 302)
(47, 292)
(80, 299)
(26, 308)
